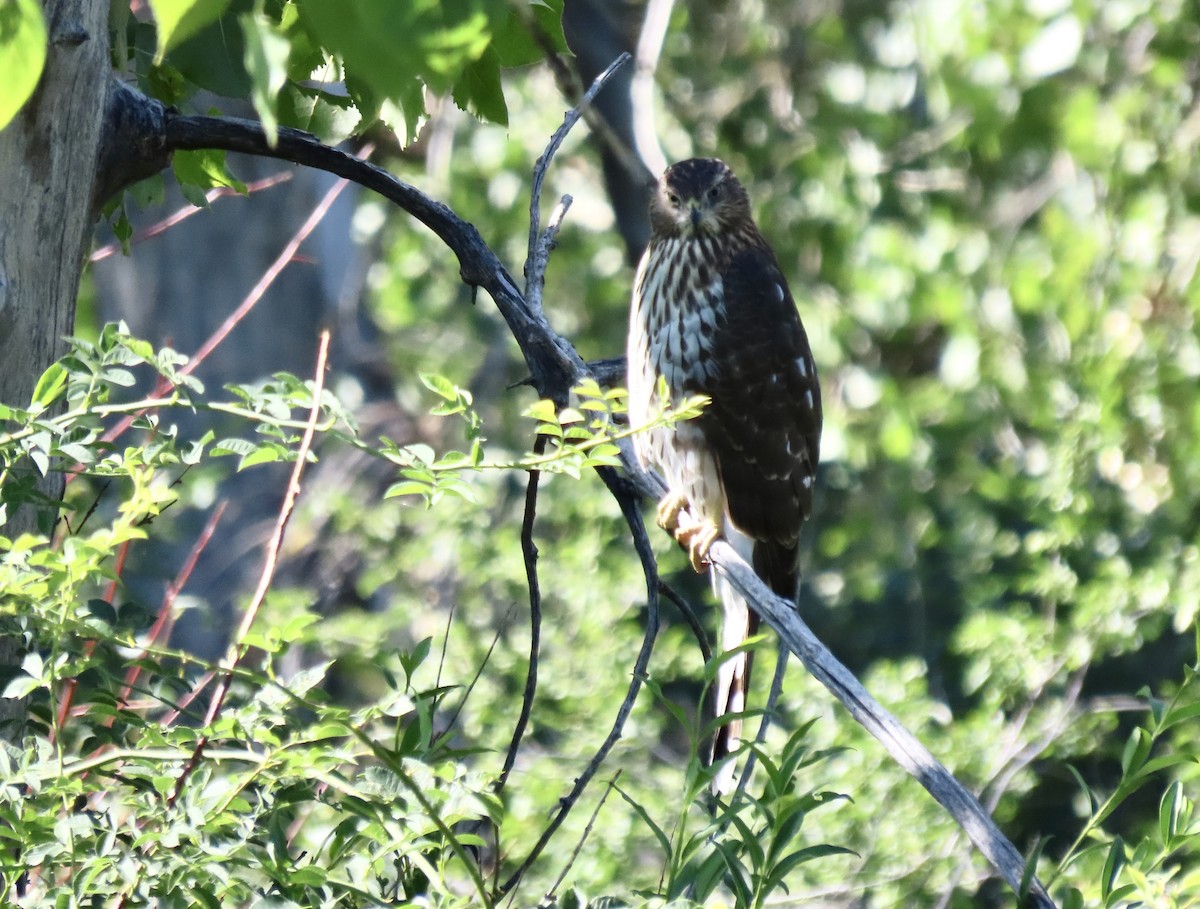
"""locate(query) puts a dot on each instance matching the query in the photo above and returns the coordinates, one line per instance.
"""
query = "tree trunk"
(47, 172)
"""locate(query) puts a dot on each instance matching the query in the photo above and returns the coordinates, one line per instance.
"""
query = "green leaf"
(265, 454)
(439, 41)
(204, 169)
(233, 447)
(440, 385)
(1169, 810)
(1179, 714)
(515, 43)
(478, 90)
(795, 859)
(22, 54)
(33, 666)
(213, 59)
(408, 488)
(1137, 748)
(664, 841)
(1113, 863)
(266, 63)
(737, 875)
(19, 687)
(50, 386)
(179, 20)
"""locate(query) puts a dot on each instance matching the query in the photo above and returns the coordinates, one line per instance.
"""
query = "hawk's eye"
(672, 198)
(714, 194)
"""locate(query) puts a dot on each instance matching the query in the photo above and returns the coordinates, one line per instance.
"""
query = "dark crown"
(691, 178)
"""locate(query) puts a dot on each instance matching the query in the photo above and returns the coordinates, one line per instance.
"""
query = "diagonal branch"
(901, 744)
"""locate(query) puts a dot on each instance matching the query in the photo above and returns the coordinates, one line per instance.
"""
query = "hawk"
(712, 315)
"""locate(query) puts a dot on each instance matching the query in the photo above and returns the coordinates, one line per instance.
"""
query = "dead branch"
(901, 744)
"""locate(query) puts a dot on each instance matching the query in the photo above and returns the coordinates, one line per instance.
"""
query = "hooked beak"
(696, 216)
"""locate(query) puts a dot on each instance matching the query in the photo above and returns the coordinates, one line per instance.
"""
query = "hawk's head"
(696, 197)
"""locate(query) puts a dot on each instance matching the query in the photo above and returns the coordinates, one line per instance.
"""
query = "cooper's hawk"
(712, 315)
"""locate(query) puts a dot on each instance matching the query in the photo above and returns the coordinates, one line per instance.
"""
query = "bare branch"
(904, 748)
(587, 831)
(630, 509)
(689, 616)
(535, 268)
(532, 276)
(188, 210)
(530, 551)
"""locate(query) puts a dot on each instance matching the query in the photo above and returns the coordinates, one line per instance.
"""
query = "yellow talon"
(698, 538)
(669, 508)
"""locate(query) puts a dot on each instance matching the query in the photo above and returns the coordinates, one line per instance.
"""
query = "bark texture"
(47, 174)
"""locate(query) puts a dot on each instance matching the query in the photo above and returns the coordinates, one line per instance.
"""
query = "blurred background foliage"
(989, 216)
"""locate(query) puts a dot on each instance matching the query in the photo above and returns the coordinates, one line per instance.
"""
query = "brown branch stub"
(132, 142)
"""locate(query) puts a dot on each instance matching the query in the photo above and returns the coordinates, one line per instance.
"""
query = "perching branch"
(902, 745)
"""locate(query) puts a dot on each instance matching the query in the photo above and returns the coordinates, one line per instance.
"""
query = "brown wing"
(764, 423)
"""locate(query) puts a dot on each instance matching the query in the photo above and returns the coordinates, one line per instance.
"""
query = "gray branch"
(901, 744)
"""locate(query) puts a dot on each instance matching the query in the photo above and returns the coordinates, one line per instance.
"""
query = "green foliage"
(988, 216)
(123, 785)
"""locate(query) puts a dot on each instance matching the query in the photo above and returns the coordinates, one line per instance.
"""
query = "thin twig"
(285, 257)
(548, 900)
(462, 703)
(630, 509)
(529, 551)
(237, 651)
(536, 279)
(186, 211)
(690, 617)
(437, 682)
(166, 609)
(539, 175)
(68, 697)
